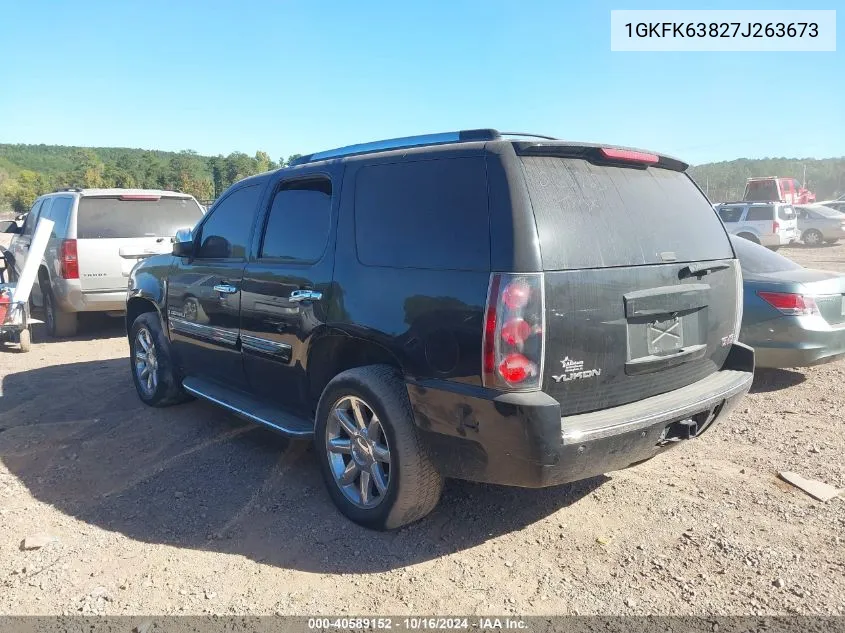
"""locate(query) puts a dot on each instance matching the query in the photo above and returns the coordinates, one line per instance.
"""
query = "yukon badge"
(574, 370)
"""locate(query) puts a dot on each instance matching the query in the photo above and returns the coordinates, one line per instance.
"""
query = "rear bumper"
(794, 342)
(71, 298)
(521, 440)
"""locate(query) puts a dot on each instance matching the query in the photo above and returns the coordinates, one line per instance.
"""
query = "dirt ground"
(190, 510)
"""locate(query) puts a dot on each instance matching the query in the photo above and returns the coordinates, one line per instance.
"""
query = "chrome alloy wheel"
(146, 363)
(358, 452)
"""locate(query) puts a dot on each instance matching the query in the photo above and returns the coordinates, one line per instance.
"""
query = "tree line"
(725, 181)
(28, 171)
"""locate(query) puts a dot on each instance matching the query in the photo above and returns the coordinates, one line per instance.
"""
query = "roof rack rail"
(529, 135)
(67, 189)
(461, 136)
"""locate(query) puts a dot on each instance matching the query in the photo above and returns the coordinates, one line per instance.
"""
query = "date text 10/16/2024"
(417, 623)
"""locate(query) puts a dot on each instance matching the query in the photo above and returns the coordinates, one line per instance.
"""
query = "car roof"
(478, 140)
(749, 203)
(122, 192)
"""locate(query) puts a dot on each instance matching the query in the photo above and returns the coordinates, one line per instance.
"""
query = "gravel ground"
(189, 510)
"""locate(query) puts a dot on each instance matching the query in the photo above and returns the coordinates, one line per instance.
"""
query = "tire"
(25, 340)
(812, 237)
(774, 249)
(164, 388)
(59, 324)
(750, 237)
(413, 483)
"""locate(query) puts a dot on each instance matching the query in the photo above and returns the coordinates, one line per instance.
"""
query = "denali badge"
(574, 370)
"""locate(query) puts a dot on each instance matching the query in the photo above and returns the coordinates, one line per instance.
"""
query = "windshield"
(102, 218)
(757, 259)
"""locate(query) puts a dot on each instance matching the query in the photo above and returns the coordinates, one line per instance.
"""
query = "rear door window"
(113, 217)
(731, 214)
(760, 214)
(423, 214)
(593, 216)
(31, 219)
(299, 222)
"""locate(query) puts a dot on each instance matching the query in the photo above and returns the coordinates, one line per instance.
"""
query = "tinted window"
(764, 190)
(592, 216)
(758, 214)
(226, 232)
(31, 218)
(425, 214)
(103, 218)
(786, 212)
(757, 259)
(299, 222)
(59, 213)
(731, 214)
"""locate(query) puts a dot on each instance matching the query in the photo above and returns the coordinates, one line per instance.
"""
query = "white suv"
(772, 224)
(98, 236)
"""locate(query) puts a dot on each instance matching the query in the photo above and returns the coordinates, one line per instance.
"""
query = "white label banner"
(728, 30)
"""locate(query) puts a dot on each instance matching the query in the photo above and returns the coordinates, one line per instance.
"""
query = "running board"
(248, 407)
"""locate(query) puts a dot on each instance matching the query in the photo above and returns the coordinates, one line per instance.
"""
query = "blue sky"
(295, 77)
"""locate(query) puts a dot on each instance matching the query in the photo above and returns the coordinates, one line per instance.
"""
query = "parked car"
(793, 316)
(772, 224)
(515, 312)
(99, 234)
(818, 224)
(774, 189)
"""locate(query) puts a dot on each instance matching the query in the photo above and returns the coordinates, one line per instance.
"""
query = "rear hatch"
(787, 221)
(641, 285)
(114, 232)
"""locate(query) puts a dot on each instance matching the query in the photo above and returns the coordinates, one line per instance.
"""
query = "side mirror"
(183, 243)
(9, 227)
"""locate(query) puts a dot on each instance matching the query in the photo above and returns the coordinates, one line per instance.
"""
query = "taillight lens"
(629, 155)
(740, 300)
(775, 227)
(69, 260)
(788, 303)
(514, 338)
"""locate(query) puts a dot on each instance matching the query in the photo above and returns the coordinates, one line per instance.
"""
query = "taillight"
(775, 227)
(514, 337)
(629, 155)
(789, 303)
(740, 300)
(69, 260)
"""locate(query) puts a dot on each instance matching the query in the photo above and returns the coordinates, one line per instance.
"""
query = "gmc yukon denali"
(508, 309)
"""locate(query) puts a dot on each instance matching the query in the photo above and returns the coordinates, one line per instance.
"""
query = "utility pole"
(804, 181)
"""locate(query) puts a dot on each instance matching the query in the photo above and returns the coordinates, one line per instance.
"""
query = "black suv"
(519, 311)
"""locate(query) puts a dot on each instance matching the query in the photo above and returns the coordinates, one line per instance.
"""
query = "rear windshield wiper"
(699, 270)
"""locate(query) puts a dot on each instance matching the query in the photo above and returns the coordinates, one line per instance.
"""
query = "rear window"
(760, 214)
(592, 216)
(102, 218)
(786, 212)
(757, 259)
(763, 190)
(423, 214)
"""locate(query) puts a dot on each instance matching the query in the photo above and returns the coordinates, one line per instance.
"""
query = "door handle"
(225, 288)
(305, 295)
